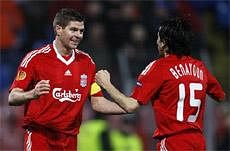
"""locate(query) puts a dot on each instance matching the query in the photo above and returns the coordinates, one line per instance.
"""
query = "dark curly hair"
(177, 35)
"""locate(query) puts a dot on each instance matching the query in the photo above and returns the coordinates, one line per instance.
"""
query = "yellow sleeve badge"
(95, 88)
(21, 75)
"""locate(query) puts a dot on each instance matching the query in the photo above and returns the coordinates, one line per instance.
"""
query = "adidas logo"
(68, 73)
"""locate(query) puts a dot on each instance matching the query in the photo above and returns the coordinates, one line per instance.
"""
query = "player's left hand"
(103, 78)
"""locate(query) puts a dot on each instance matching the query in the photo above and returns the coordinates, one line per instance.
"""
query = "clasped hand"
(103, 78)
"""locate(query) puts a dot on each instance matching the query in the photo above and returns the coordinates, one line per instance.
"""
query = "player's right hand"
(41, 88)
(103, 78)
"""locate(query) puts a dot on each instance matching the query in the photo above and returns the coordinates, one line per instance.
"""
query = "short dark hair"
(178, 36)
(65, 15)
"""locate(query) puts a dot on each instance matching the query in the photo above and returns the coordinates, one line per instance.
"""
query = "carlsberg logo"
(64, 95)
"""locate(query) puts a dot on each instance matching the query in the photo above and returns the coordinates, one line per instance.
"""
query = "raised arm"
(129, 104)
(18, 96)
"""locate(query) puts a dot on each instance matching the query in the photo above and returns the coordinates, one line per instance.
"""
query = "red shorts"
(37, 140)
(186, 141)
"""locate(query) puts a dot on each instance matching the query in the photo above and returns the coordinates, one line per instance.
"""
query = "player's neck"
(61, 49)
(166, 54)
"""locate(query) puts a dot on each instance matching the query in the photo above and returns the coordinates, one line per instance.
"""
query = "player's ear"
(58, 29)
(163, 43)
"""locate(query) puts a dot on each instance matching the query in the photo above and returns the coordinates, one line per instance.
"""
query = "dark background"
(121, 37)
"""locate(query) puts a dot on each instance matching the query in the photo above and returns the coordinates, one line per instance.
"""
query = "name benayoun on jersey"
(186, 69)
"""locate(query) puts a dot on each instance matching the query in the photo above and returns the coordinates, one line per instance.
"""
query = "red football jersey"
(177, 88)
(71, 82)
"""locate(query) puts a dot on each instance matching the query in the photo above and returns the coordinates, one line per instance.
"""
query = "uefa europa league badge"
(83, 80)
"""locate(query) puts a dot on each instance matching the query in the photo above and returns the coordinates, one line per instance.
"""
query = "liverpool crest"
(83, 80)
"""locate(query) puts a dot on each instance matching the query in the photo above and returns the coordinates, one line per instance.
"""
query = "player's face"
(72, 34)
(159, 45)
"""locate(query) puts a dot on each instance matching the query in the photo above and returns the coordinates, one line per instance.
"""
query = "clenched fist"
(103, 78)
(42, 87)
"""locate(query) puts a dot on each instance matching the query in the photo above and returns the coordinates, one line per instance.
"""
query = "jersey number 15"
(193, 102)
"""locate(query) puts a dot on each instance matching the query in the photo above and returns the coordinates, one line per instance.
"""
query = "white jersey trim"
(163, 145)
(78, 51)
(144, 72)
(28, 141)
(59, 56)
(32, 54)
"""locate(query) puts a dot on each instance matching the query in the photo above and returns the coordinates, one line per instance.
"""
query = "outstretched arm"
(18, 96)
(127, 103)
(103, 105)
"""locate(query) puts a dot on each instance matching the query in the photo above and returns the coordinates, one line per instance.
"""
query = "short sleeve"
(95, 89)
(24, 75)
(214, 88)
(148, 83)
